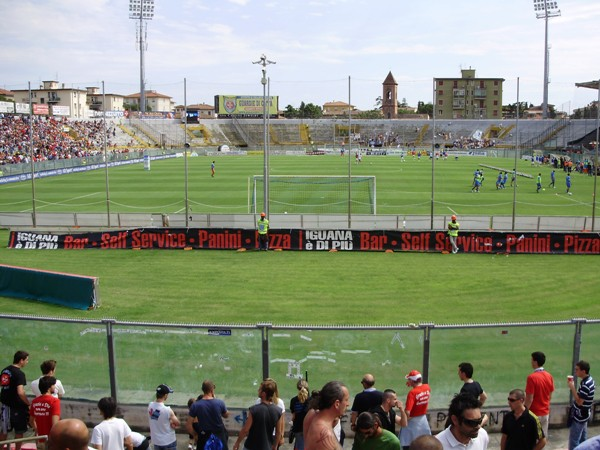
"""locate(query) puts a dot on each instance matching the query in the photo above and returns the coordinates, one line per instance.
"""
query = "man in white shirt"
(48, 368)
(162, 420)
(465, 432)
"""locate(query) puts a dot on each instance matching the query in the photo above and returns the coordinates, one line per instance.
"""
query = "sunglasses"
(472, 422)
(513, 399)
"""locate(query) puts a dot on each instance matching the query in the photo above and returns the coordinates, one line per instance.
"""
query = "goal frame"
(253, 194)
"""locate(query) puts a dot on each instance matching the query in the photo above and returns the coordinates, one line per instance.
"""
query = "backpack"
(213, 443)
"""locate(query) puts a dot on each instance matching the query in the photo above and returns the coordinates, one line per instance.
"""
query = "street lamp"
(141, 10)
(264, 62)
(544, 9)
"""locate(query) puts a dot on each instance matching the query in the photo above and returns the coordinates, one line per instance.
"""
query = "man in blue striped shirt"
(582, 404)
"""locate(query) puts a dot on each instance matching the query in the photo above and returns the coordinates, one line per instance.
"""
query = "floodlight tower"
(544, 9)
(264, 62)
(141, 10)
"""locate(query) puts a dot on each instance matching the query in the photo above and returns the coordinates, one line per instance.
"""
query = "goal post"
(314, 194)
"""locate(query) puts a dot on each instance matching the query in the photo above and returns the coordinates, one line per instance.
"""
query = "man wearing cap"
(367, 399)
(209, 412)
(162, 420)
(263, 232)
(453, 233)
(417, 402)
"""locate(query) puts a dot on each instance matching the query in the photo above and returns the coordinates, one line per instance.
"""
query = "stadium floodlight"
(141, 10)
(264, 62)
(545, 9)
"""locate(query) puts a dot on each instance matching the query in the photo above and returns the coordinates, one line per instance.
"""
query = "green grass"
(325, 288)
(402, 187)
(303, 288)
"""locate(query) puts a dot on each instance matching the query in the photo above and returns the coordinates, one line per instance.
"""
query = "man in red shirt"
(538, 390)
(417, 402)
(44, 411)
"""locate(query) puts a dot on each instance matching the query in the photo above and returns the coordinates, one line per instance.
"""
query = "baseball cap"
(453, 217)
(163, 390)
(262, 214)
(413, 375)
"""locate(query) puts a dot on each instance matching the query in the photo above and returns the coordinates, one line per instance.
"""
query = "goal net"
(313, 194)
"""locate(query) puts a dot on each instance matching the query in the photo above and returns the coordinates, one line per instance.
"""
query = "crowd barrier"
(128, 360)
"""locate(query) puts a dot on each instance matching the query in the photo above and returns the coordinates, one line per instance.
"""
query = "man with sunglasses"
(521, 429)
(465, 432)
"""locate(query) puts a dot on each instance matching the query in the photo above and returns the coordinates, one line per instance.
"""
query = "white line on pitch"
(68, 200)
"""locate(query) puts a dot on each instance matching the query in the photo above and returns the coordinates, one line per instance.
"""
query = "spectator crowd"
(378, 418)
(53, 138)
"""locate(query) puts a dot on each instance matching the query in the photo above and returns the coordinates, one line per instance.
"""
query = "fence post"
(110, 345)
(264, 327)
(576, 348)
(426, 345)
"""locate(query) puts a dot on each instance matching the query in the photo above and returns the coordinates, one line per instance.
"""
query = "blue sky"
(317, 44)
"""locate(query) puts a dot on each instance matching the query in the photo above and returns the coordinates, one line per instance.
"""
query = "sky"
(324, 50)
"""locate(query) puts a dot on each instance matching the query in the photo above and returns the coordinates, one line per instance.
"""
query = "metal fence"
(129, 359)
(59, 221)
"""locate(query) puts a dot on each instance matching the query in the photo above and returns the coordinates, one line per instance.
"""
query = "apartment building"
(468, 97)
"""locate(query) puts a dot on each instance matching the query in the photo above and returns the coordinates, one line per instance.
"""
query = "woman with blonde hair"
(299, 408)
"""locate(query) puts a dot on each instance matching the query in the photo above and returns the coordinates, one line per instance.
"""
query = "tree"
(310, 111)
(290, 112)
(510, 111)
(425, 108)
(372, 114)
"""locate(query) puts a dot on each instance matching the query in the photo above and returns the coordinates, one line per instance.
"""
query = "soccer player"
(568, 182)
(552, 179)
(539, 183)
(212, 169)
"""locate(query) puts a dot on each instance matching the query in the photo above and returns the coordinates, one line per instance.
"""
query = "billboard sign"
(22, 108)
(245, 105)
(60, 110)
(41, 109)
(7, 107)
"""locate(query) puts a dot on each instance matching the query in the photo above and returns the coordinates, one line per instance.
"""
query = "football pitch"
(304, 288)
(402, 187)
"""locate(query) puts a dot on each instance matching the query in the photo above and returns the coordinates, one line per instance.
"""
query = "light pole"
(141, 10)
(544, 9)
(264, 62)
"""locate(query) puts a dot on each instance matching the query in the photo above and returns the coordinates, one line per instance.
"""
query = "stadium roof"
(588, 84)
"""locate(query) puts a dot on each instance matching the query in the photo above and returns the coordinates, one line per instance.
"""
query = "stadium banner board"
(22, 108)
(148, 115)
(109, 114)
(67, 170)
(61, 110)
(7, 107)
(312, 240)
(41, 110)
(245, 105)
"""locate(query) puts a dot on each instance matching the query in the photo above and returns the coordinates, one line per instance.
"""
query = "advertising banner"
(60, 110)
(7, 107)
(313, 240)
(245, 105)
(41, 110)
(22, 108)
